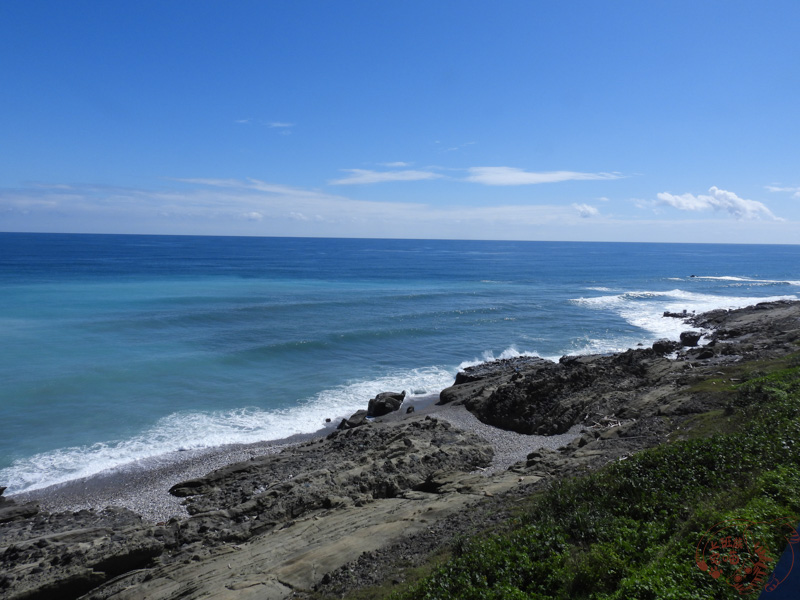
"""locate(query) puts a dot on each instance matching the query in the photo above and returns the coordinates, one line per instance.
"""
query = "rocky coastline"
(325, 515)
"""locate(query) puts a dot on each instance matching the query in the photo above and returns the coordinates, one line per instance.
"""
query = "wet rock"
(665, 346)
(357, 419)
(384, 403)
(690, 338)
(497, 368)
(678, 315)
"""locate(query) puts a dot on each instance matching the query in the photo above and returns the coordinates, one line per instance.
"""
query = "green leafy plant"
(632, 529)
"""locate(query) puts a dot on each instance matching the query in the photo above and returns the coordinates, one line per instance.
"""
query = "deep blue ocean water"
(119, 348)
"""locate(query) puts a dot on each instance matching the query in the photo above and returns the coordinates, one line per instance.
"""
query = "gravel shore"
(143, 487)
(509, 447)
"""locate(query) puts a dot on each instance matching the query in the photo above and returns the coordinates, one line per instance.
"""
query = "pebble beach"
(143, 487)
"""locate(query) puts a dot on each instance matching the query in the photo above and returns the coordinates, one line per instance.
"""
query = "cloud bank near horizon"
(208, 206)
(514, 176)
(493, 176)
(718, 200)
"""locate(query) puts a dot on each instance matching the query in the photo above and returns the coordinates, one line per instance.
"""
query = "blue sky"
(624, 121)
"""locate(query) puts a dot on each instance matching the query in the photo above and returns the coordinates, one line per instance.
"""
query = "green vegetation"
(632, 529)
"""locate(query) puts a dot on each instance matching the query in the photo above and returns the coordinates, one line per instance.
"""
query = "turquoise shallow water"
(119, 348)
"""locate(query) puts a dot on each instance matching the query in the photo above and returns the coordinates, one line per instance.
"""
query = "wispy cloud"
(586, 211)
(794, 191)
(459, 147)
(207, 206)
(363, 176)
(396, 164)
(255, 206)
(718, 200)
(514, 176)
(284, 127)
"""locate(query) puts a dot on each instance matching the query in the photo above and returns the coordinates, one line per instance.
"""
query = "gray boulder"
(357, 419)
(665, 346)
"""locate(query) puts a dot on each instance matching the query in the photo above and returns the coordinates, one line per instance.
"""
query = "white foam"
(488, 356)
(196, 430)
(644, 309)
(748, 280)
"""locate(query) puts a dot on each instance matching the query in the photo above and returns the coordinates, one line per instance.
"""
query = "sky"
(664, 121)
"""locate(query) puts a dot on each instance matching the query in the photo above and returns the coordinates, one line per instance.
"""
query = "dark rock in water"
(384, 403)
(690, 338)
(357, 419)
(328, 420)
(677, 315)
(498, 367)
(409, 410)
(665, 346)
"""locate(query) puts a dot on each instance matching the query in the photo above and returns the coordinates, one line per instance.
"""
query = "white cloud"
(586, 211)
(362, 176)
(514, 176)
(794, 191)
(222, 207)
(718, 200)
(279, 125)
(396, 164)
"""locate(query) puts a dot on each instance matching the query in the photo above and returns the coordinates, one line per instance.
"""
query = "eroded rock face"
(548, 398)
(542, 397)
(65, 555)
(349, 467)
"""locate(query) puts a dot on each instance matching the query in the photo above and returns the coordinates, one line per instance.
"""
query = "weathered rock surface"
(66, 555)
(542, 397)
(351, 467)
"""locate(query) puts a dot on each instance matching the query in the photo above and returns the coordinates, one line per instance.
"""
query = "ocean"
(117, 349)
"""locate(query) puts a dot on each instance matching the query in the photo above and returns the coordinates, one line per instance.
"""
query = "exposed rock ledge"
(336, 512)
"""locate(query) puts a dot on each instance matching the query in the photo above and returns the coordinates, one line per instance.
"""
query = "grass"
(632, 530)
